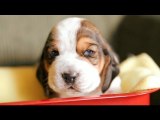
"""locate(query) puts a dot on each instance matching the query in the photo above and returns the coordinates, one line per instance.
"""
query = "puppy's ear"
(42, 76)
(110, 68)
(42, 73)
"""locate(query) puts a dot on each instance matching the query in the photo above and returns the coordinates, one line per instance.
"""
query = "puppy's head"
(76, 60)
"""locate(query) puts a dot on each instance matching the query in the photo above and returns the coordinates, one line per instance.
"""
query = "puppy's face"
(76, 61)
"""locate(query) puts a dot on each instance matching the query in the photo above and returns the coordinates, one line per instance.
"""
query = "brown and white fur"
(76, 60)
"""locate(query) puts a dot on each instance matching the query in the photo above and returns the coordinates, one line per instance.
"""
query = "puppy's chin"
(78, 94)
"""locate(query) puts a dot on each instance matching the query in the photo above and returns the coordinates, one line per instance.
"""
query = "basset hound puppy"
(76, 60)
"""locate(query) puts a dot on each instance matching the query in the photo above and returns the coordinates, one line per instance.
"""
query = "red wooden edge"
(74, 99)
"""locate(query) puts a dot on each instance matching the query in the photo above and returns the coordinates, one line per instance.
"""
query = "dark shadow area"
(137, 34)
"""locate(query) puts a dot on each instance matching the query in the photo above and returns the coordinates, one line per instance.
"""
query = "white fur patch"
(67, 32)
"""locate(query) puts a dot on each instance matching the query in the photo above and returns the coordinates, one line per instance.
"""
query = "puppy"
(76, 60)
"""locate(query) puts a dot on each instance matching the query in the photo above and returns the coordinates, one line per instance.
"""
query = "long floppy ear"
(42, 76)
(42, 73)
(110, 69)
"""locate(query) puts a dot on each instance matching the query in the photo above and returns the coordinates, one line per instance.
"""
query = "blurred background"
(22, 37)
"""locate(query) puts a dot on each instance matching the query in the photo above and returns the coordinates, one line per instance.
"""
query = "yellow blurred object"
(139, 73)
(19, 84)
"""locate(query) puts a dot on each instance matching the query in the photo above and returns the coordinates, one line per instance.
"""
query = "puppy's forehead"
(67, 34)
(69, 30)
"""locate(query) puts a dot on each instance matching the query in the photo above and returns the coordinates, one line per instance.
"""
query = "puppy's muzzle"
(69, 78)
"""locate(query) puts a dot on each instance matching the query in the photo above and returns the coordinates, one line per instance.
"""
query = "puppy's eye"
(54, 53)
(89, 53)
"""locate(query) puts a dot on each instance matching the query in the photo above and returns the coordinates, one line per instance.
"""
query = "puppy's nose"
(68, 78)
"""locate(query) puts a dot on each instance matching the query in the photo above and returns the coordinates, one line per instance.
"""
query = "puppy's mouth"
(73, 88)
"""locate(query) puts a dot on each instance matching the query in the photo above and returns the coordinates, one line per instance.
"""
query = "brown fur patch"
(88, 35)
(86, 43)
(105, 68)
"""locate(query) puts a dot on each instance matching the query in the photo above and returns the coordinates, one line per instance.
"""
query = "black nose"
(68, 78)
